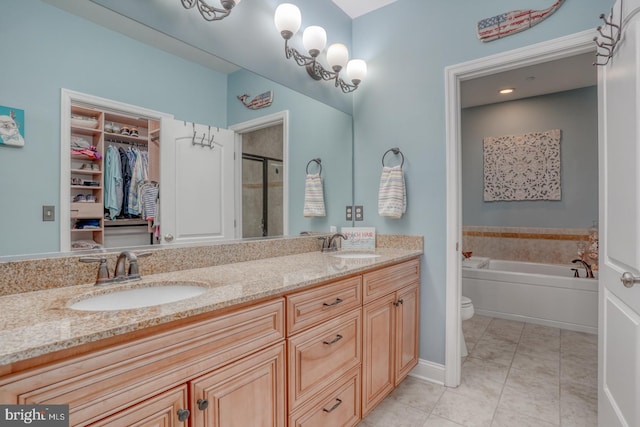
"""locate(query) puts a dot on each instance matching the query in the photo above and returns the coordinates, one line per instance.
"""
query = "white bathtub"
(545, 294)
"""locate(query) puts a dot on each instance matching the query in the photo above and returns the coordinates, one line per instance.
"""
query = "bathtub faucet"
(586, 266)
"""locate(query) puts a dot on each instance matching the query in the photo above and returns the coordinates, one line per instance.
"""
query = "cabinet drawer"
(339, 405)
(159, 410)
(309, 308)
(103, 382)
(86, 210)
(322, 354)
(390, 279)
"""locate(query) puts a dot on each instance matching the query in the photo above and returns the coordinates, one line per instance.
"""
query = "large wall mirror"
(59, 49)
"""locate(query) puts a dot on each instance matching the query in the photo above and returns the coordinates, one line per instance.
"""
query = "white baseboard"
(429, 371)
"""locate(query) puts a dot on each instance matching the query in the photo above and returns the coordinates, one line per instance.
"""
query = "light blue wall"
(575, 113)
(315, 130)
(46, 49)
(407, 45)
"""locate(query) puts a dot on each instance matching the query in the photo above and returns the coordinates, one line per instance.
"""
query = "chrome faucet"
(134, 272)
(587, 267)
(329, 243)
(119, 274)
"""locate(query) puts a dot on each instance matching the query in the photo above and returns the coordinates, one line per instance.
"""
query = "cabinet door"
(250, 392)
(163, 410)
(378, 351)
(407, 323)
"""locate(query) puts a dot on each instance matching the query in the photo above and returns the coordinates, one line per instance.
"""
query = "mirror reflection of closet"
(263, 182)
(115, 174)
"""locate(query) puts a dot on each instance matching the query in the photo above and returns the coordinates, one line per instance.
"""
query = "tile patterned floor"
(516, 374)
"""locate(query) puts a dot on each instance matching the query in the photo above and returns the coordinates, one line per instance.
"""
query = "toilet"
(466, 313)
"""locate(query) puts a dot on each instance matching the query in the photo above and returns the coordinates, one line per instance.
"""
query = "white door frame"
(281, 117)
(563, 47)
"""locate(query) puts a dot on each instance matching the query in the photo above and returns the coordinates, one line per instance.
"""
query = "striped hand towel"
(392, 196)
(313, 196)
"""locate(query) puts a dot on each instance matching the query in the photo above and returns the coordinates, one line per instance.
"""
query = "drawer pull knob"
(183, 415)
(336, 302)
(333, 341)
(398, 303)
(334, 407)
(203, 404)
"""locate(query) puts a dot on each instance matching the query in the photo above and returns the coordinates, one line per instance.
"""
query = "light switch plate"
(48, 213)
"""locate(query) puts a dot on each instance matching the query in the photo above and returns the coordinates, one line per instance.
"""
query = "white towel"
(313, 196)
(392, 196)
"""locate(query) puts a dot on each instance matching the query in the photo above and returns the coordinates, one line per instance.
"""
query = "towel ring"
(318, 161)
(395, 151)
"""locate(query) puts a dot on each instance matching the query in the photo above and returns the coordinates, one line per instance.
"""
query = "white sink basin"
(127, 299)
(358, 255)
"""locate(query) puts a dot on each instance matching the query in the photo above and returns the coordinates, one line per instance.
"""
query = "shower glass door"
(262, 196)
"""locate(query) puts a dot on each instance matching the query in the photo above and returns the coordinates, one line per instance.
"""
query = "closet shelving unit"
(84, 169)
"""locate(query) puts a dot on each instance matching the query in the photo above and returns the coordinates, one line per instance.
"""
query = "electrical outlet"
(349, 213)
(359, 211)
(48, 213)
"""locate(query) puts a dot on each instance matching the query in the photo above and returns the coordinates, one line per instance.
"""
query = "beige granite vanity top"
(39, 322)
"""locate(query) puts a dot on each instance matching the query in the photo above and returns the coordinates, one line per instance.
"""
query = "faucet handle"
(134, 271)
(103, 271)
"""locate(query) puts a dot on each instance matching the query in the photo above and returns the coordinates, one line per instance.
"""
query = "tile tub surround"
(27, 275)
(39, 322)
(544, 245)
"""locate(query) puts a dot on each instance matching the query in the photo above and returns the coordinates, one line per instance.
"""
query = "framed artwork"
(522, 167)
(11, 126)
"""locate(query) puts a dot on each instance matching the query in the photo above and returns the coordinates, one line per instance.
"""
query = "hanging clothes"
(139, 173)
(113, 182)
(126, 180)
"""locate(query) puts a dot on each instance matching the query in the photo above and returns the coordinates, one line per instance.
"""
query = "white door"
(197, 199)
(619, 316)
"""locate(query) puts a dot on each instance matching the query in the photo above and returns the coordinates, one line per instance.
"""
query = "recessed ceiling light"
(505, 91)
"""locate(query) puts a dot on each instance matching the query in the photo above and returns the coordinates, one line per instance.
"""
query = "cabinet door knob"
(398, 303)
(333, 341)
(168, 237)
(183, 415)
(336, 302)
(334, 407)
(203, 404)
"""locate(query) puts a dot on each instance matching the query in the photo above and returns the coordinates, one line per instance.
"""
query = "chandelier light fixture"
(314, 38)
(211, 13)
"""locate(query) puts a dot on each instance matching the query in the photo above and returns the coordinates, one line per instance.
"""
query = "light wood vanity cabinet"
(342, 348)
(123, 380)
(390, 330)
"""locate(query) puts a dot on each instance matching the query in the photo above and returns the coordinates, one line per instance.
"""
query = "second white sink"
(127, 299)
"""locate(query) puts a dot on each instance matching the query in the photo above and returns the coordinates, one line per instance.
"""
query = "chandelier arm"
(210, 13)
(188, 4)
(346, 87)
(300, 59)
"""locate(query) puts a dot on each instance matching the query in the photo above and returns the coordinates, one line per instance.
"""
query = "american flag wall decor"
(513, 22)
(261, 101)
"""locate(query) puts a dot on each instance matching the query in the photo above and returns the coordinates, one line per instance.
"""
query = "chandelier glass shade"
(314, 39)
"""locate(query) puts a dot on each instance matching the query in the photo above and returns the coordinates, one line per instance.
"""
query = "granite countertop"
(40, 322)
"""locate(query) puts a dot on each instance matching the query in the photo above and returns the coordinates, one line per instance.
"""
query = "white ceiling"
(555, 76)
(355, 8)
